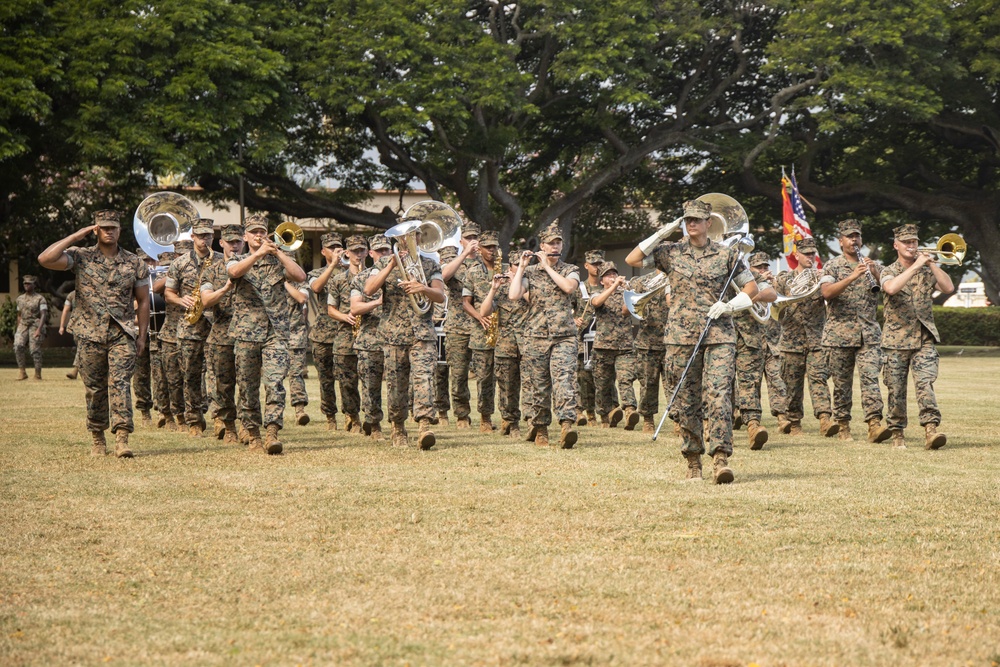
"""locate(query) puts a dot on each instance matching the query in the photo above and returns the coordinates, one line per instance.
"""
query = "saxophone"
(194, 313)
(493, 330)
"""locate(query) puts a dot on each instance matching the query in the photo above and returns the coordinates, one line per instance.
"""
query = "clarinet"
(873, 285)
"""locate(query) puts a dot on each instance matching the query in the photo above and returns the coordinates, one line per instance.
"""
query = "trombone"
(288, 236)
(950, 249)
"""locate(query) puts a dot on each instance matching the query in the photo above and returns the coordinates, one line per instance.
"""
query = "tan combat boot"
(542, 436)
(331, 423)
(486, 424)
(877, 432)
(784, 424)
(631, 418)
(179, 424)
(581, 418)
(147, 419)
(505, 427)
(463, 423)
(443, 418)
(795, 428)
(23, 375)
(844, 431)
(301, 418)
(898, 441)
(194, 430)
(353, 424)
(531, 434)
(253, 439)
(721, 472)
(605, 421)
(163, 419)
(73, 373)
(694, 466)
(567, 436)
(230, 437)
(243, 434)
(399, 435)
(648, 425)
(271, 442)
(616, 416)
(933, 439)
(122, 450)
(827, 427)
(38, 373)
(591, 418)
(219, 428)
(515, 431)
(376, 432)
(756, 435)
(425, 436)
(100, 445)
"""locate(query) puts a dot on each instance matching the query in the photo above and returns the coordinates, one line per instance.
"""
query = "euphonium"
(437, 224)
(637, 303)
(801, 287)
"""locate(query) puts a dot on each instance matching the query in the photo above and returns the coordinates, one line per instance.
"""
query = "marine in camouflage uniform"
(650, 351)
(339, 308)
(851, 335)
(184, 280)
(64, 327)
(409, 344)
(217, 295)
(699, 270)
(614, 351)
(910, 334)
(157, 357)
(322, 333)
(169, 345)
(110, 282)
(478, 281)
(459, 325)
(142, 379)
(32, 315)
(583, 316)
(801, 344)
(550, 338)
(442, 388)
(371, 358)
(260, 329)
(297, 298)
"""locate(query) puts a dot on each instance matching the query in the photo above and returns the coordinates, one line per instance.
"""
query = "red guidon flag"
(794, 226)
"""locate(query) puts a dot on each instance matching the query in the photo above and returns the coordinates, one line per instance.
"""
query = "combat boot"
(486, 424)
(38, 373)
(631, 418)
(581, 418)
(591, 418)
(425, 436)
(194, 430)
(648, 425)
(147, 419)
(721, 472)
(844, 431)
(567, 437)
(352, 424)
(443, 418)
(164, 418)
(179, 424)
(784, 424)
(271, 443)
(795, 429)
(301, 418)
(877, 432)
(122, 450)
(616, 416)
(100, 445)
(694, 466)
(756, 435)
(504, 427)
(253, 439)
(531, 434)
(376, 432)
(23, 375)
(463, 423)
(827, 427)
(933, 439)
(515, 431)
(72, 374)
(542, 436)
(898, 441)
(331, 423)
(219, 428)
(243, 434)
(399, 435)
(230, 437)
(605, 421)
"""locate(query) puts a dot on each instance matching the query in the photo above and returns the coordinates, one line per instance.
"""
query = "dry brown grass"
(490, 552)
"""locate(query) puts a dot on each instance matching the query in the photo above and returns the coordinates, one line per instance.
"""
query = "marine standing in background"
(297, 297)
(852, 336)
(64, 326)
(324, 328)
(260, 328)
(368, 345)
(478, 281)
(650, 352)
(614, 351)
(507, 353)
(32, 315)
(111, 289)
(338, 302)
(910, 334)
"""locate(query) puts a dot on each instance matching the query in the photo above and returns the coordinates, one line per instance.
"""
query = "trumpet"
(288, 236)
(950, 249)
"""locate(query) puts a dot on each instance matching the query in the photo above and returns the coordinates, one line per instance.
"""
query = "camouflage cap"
(697, 209)
(759, 259)
(848, 227)
(515, 255)
(141, 254)
(107, 219)
(550, 233)
(448, 253)
(906, 232)
(470, 229)
(489, 238)
(255, 221)
(232, 233)
(594, 257)
(203, 226)
(183, 245)
(29, 279)
(357, 242)
(808, 243)
(379, 242)
(332, 240)
(606, 267)
(165, 258)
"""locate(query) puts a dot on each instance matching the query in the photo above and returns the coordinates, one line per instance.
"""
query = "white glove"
(740, 302)
(649, 245)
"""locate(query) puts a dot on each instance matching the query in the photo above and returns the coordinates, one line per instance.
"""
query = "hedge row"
(968, 326)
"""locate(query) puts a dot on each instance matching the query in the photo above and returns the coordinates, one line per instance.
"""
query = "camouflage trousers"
(483, 369)
(456, 348)
(777, 393)
(296, 376)
(142, 380)
(585, 385)
(371, 371)
(550, 365)
(409, 369)
(256, 362)
(749, 373)
(223, 388)
(345, 368)
(649, 364)
(923, 363)
(508, 372)
(192, 357)
(705, 394)
(175, 377)
(106, 369)
(25, 340)
(614, 368)
(796, 367)
(158, 375)
(323, 358)
(442, 396)
(841, 362)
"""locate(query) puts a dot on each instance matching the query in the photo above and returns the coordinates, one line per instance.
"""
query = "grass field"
(486, 551)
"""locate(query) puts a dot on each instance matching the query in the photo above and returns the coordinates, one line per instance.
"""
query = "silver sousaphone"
(162, 219)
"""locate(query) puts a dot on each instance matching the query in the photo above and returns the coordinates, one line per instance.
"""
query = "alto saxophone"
(194, 313)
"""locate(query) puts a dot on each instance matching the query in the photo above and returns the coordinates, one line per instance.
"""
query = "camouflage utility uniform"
(345, 359)
(777, 394)
(513, 315)
(477, 285)
(298, 341)
(614, 357)
(458, 328)
(171, 359)
(31, 309)
(371, 358)
(321, 335)
(585, 375)
(221, 346)
(650, 350)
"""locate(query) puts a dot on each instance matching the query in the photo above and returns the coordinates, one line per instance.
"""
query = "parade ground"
(487, 551)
